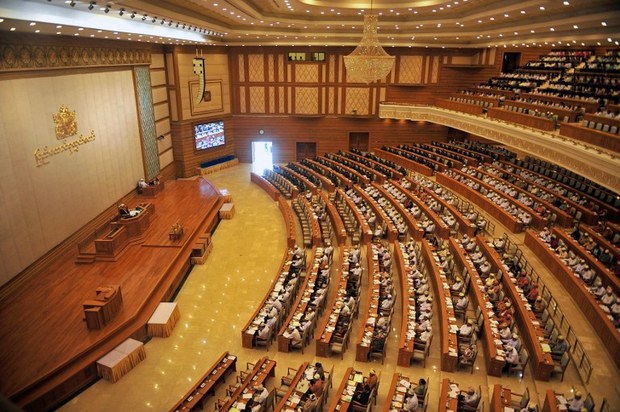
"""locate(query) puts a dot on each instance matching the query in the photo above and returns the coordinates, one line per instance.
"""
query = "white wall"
(41, 206)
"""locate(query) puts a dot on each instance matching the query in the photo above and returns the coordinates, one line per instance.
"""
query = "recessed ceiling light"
(33, 23)
(58, 32)
(575, 26)
(542, 7)
(37, 31)
(603, 23)
(552, 29)
(566, 3)
(13, 29)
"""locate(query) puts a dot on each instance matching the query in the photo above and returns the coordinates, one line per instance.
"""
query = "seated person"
(361, 395)
(461, 302)
(319, 371)
(316, 385)
(531, 407)
(466, 329)
(372, 380)
(467, 353)
(512, 357)
(260, 394)
(559, 347)
(311, 404)
(470, 398)
(420, 389)
(411, 404)
(123, 211)
(576, 403)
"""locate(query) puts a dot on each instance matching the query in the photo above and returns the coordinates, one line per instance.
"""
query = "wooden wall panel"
(186, 157)
(329, 133)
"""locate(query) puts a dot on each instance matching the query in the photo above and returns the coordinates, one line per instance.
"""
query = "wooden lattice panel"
(410, 70)
(257, 99)
(357, 100)
(306, 100)
(256, 68)
(306, 73)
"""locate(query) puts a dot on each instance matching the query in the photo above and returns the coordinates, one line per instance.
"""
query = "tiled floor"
(218, 298)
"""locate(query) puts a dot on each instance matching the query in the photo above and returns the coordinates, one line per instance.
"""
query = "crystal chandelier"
(368, 62)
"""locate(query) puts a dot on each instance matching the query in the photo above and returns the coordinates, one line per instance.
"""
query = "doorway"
(359, 141)
(305, 150)
(510, 62)
(262, 157)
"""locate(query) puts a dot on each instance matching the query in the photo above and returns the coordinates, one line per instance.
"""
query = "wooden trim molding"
(21, 57)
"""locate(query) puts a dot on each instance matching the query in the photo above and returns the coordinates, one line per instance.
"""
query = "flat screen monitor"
(208, 135)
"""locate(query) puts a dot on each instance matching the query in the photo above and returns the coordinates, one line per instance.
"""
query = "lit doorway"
(262, 157)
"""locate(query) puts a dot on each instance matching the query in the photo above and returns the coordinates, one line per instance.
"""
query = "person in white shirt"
(466, 329)
(461, 302)
(260, 394)
(412, 401)
(457, 286)
(294, 335)
(425, 336)
(471, 398)
(512, 357)
(576, 403)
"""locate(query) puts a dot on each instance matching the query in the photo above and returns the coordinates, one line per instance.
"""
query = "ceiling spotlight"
(144, 18)
(120, 13)
(183, 26)
(91, 5)
(72, 4)
(107, 9)
(170, 23)
(133, 14)
(155, 19)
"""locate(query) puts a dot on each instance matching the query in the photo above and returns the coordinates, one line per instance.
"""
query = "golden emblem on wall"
(65, 123)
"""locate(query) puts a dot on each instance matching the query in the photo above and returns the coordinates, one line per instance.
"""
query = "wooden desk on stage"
(532, 335)
(194, 398)
(447, 402)
(121, 360)
(580, 294)
(138, 224)
(501, 398)
(163, 320)
(152, 190)
(104, 307)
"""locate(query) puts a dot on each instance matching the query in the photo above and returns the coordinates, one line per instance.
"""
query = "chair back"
(525, 399)
(589, 403)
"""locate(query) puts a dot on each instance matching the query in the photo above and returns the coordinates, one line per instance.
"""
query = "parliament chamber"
(215, 206)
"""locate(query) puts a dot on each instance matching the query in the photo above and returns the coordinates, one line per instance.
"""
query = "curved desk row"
(580, 294)
(447, 320)
(494, 361)
(476, 198)
(531, 330)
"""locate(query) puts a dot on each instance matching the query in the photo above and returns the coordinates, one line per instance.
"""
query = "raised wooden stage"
(46, 351)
